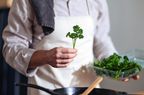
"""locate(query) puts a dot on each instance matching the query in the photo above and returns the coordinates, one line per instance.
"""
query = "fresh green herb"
(116, 66)
(77, 33)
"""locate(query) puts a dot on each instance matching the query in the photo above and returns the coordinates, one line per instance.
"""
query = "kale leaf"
(116, 66)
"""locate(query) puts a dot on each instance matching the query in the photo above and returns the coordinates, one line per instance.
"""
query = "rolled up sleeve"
(17, 37)
(103, 45)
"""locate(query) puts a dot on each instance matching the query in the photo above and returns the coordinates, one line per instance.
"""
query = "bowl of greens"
(117, 66)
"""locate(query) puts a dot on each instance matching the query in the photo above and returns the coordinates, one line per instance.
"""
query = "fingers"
(59, 65)
(125, 79)
(66, 50)
(64, 60)
(136, 77)
(65, 53)
(62, 63)
(62, 57)
(65, 56)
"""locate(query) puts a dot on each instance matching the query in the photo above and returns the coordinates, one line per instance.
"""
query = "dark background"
(8, 76)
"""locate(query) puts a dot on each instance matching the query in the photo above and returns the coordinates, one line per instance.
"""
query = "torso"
(78, 72)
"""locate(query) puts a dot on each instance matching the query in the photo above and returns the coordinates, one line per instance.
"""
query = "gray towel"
(44, 14)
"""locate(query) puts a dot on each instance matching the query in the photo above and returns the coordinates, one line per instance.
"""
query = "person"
(49, 60)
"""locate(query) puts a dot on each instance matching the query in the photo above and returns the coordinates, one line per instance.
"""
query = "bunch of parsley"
(76, 34)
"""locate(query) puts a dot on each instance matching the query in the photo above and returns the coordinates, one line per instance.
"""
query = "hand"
(136, 77)
(57, 57)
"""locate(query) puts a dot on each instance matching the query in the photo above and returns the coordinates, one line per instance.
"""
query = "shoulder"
(101, 3)
(22, 7)
(22, 4)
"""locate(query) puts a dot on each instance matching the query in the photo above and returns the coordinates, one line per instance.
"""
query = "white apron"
(77, 73)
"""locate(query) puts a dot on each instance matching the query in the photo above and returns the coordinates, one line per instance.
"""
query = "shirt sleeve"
(103, 45)
(17, 37)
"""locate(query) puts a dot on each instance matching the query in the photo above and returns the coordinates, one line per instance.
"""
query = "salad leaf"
(116, 66)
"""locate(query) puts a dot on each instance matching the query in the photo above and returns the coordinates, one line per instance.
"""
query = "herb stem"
(74, 43)
(77, 33)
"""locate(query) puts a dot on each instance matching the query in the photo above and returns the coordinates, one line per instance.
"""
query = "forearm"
(103, 47)
(37, 59)
(18, 58)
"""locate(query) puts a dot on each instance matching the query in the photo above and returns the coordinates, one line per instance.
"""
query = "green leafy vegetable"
(116, 66)
(77, 33)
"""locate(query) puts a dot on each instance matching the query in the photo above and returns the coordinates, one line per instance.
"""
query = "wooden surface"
(139, 93)
(5, 3)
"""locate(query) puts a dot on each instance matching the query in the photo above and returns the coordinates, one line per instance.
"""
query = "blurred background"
(8, 76)
(127, 31)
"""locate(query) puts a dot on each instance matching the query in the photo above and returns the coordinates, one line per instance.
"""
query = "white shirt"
(23, 33)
